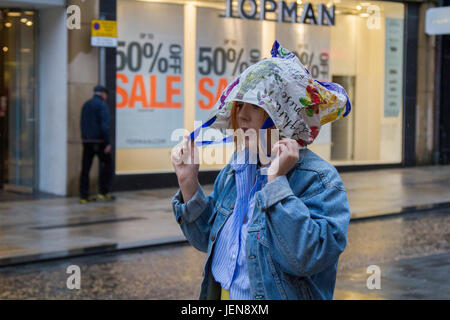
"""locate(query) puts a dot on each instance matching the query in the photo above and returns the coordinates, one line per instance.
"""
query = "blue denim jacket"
(297, 232)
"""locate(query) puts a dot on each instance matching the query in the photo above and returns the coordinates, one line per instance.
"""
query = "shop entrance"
(17, 100)
(444, 122)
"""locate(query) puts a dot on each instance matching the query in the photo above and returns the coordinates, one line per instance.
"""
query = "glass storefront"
(17, 99)
(175, 57)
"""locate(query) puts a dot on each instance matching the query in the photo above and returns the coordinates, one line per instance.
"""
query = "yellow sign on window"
(104, 28)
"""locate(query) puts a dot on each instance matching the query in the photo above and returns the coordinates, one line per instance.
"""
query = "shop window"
(175, 58)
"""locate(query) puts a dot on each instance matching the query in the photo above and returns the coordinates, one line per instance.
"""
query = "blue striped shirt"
(229, 263)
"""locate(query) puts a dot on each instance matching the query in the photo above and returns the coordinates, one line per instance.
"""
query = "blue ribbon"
(194, 134)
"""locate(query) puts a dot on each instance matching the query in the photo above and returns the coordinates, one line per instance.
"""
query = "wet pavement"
(61, 227)
(412, 252)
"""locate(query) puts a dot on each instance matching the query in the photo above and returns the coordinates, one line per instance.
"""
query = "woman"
(271, 229)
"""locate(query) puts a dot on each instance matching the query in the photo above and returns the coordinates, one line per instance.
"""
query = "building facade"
(174, 58)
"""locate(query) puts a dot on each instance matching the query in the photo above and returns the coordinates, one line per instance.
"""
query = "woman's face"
(249, 116)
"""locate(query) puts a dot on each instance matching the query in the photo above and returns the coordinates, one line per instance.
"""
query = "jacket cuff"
(273, 192)
(190, 211)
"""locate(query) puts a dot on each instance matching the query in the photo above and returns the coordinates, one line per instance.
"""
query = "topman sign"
(249, 9)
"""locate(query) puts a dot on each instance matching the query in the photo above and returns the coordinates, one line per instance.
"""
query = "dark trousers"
(106, 168)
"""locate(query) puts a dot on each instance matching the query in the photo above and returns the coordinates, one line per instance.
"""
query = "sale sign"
(225, 48)
(311, 45)
(149, 79)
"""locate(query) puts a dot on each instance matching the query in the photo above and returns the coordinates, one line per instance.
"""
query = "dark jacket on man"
(95, 120)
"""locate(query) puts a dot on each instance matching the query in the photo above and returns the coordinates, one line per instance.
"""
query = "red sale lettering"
(139, 93)
(209, 94)
(153, 98)
(222, 85)
(138, 85)
(121, 91)
(170, 92)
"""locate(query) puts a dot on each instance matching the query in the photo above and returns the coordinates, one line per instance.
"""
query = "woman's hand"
(287, 155)
(185, 160)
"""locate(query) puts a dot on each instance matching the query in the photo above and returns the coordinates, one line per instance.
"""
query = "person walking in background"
(95, 125)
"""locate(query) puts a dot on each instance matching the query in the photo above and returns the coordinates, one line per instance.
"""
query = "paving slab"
(61, 227)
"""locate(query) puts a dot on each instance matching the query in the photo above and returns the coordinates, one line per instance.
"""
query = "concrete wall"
(52, 100)
(83, 76)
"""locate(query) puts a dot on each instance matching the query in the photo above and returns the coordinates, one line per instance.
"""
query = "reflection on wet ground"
(412, 251)
(423, 277)
(60, 227)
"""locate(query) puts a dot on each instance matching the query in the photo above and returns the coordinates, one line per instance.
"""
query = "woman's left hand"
(287, 155)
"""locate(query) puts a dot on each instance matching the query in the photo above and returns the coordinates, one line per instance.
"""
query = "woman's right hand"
(185, 160)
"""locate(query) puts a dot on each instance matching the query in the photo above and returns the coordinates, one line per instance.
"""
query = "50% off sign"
(162, 65)
(216, 66)
(317, 64)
